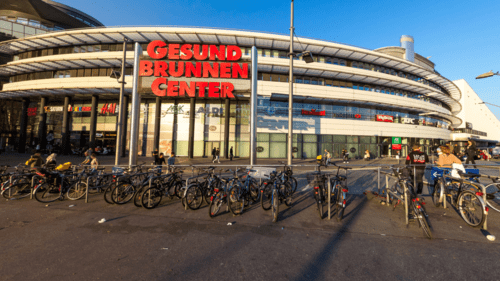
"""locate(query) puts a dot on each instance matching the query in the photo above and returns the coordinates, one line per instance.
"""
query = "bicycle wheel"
(236, 199)
(266, 196)
(215, 204)
(77, 190)
(275, 205)
(493, 196)
(293, 183)
(288, 194)
(254, 191)
(138, 195)
(17, 191)
(422, 219)
(46, 193)
(471, 208)
(438, 193)
(151, 198)
(123, 193)
(93, 182)
(179, 191)
(108, 192)
(194, 197)
(398, 188)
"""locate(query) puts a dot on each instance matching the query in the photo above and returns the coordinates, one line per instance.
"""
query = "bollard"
(406, 203)
(386, 189)
(415, 178)
(378, 180)
(329, 197)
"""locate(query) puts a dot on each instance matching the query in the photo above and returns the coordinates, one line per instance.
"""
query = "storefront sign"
(295, 149)
(468, 125)
(396, 140)
(99, 135)
(212, 128)
(32, 111)
(347, 115)
(260, 149)
(108, 108)
(180, 63)
(385, 118)
(396, 146)
(406, 120)
(313, 112)
(53, 109)
(80, 109)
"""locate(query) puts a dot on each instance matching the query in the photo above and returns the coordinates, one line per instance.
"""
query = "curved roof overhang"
(223, 36)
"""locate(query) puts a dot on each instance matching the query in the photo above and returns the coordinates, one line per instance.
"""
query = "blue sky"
(463, 37)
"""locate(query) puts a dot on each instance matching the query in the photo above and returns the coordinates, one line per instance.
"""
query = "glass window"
(278, 137)
(343, 62)
(310, 138)
(262, 137)
(339, 139)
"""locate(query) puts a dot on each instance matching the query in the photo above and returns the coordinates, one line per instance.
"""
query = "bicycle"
(413, 204)
(338, 192)
(53, 186)
(465, 195)
(274, 192)
(158, 186)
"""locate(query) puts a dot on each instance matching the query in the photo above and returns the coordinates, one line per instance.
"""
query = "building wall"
(478, 114)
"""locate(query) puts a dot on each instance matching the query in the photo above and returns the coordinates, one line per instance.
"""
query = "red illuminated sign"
(313, 112)
(32, 111)
(396, 146)
(108, 108)
(385, 118)
(181, 65)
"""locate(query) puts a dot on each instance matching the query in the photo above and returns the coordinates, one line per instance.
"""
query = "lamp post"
(487, 74)
(121, 116)
(307, 57)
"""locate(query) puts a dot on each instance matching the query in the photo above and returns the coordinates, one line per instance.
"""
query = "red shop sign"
(108, 108)
(385, 118)
(396, 146)
(193, 60)
(32, 111)
(313, 112)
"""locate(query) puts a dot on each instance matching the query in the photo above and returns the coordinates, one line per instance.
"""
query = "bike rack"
(88, 184)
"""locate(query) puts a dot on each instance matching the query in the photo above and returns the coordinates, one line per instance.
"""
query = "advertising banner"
(385, 118)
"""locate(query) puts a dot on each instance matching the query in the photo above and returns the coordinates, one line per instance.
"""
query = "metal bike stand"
(415, 178)
(386, 189)
(378, 179)
(406, 203)
(329, 198)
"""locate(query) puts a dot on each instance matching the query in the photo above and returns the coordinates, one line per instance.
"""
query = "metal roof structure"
(227, 37)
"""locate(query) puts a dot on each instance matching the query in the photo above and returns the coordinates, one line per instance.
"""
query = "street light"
(488, 74)
(307, 57)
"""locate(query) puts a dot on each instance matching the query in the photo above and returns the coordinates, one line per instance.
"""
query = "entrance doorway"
(209, 145)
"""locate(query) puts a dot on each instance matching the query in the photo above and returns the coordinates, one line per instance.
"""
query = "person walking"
(328, 157)
(217, 154)
(418, 159)
(367, 155)
(214, 150)
(345, 155)
(94, 163)
(35, 161)
(231, 154)
(471, 153)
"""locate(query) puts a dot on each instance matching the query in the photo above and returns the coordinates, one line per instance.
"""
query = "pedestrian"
(35, 160)
(214, 150)
(367, 155)
(231, 153)
(417, 159)
(94, 163)
(345, 155)
(159, 161)
(50, 162)
(88, 159)
(217, 154)
(456, 150)
(471, 153)
(328, 157)
(171, 159)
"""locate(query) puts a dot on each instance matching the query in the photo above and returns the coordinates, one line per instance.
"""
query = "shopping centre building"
(195, 92)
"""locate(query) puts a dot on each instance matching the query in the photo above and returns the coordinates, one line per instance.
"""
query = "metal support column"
(65, 141)
(24, 126)
(93, 122)
(156, 144)
(121, 127)
(42, 125)
(191, 127)
(290, 94)
(227, 112)
(124, 133)
(136, 101)
(253, 109)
